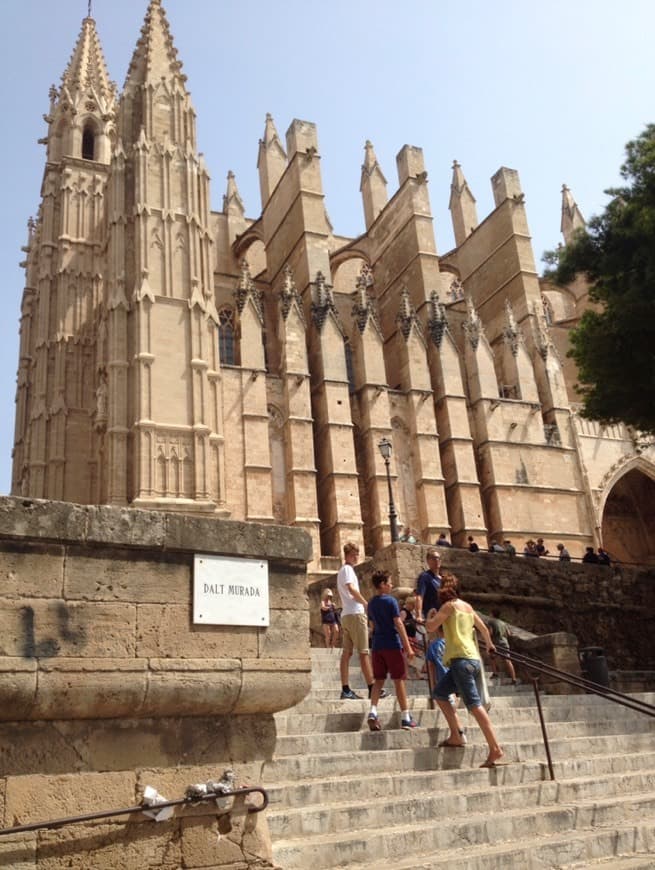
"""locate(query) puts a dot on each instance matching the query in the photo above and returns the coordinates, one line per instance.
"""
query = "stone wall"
(607, 607)
(107, 686)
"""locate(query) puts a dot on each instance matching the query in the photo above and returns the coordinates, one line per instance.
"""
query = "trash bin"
(594, 665)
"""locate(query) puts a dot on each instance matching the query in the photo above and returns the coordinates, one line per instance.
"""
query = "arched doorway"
(628, 524)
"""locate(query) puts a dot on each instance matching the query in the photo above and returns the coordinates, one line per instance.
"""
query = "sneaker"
(349, 695)
(408, 724)
(384, 694)
(373, 722)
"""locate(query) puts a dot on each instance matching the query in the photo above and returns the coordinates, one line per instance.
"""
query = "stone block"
(287, 636)
(125, 526)
(210, 688)
(18, 852)
(41, 519)
(106, 576)
(38, 798)
(211, 535)
(110, 846)
(47, 747)
(203, 845)
(28, 571)
(271, 686)
(17, 687)
(166, 631)
(287, 589)
(34, 628)
(90, 689)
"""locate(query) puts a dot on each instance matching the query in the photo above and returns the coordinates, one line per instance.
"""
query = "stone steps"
(343, 797)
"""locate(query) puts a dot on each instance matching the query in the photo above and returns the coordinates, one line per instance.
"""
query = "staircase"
(343, 797)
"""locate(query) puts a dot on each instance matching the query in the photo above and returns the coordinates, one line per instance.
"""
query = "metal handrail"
(609, 694)
(187, 800)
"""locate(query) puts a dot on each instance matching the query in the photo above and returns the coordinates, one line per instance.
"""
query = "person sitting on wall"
(590, 557)
(603, 557)
(510, 549)
(407, 536)
(496, 547)
(473, 547)
(530, 549)
(564, 555)
(541, 547)
(442, 541)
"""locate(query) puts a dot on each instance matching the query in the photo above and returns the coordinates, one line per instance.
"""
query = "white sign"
(229, 591)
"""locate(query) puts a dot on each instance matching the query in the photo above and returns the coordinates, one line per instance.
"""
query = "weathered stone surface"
(104, 576)
(287, 589)
(272, 690)
(38, 798)
(31, 572)
(46, 747)
(118, 526)
(204, 846)
(109, 847)
(42, 520)
(163, 631)
(87, 689)
(204, 535)
(192, 693)
(38, 628)
(18, 852)
(286, 635)
(18, 679)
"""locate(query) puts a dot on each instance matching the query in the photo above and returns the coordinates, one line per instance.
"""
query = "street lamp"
(386, 447)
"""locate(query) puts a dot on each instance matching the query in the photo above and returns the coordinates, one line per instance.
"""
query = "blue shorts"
(460, 679)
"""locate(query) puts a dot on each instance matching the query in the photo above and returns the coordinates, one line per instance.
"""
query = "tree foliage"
(614, 345)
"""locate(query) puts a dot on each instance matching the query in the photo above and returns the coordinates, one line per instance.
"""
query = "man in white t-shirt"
(354, 624)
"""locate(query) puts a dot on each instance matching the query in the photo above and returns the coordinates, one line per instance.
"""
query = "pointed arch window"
(89, 142)
(227, 336)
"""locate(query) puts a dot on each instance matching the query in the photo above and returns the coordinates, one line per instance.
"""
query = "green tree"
(614, 346)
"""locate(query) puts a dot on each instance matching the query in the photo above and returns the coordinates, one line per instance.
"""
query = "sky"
(554, 90)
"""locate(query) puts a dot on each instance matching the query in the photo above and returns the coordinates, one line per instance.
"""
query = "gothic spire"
(155, 57)
(572, 219)
(87, 71)
(462, 206)
(271, 160)
(373, 185)
(232, 202)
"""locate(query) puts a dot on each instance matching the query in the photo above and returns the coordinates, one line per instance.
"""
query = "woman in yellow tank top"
(459, 621)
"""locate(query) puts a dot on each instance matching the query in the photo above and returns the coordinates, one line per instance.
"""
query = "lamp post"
(386, 447)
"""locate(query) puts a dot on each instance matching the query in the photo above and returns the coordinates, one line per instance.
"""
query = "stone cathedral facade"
(177, 358)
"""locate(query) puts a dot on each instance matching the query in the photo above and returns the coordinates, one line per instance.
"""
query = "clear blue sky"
(553, 90)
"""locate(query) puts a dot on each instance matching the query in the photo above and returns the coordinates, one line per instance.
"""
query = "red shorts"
(389, 662)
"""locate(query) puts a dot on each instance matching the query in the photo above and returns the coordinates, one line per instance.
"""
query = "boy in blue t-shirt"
(389, 641)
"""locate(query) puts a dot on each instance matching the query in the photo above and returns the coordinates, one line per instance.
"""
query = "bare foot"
(494, 756)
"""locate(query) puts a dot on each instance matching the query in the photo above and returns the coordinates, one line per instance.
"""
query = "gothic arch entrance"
(628, 524)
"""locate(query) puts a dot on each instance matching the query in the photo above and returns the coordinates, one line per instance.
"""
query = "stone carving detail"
(540, 330)
(100, 418)
(456, 290)
(437, 323)
(511, 332)
(323, 303)
(472, 326)
(246, 290)
(289, 295)
(406, 318)
(364, 308)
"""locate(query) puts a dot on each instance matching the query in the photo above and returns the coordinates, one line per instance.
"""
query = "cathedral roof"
(87, 70)
(155, 57)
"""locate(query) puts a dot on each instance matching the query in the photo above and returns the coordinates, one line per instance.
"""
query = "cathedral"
(181, 359)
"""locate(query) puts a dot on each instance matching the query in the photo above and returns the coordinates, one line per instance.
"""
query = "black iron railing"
(189, 799)
(535, 668)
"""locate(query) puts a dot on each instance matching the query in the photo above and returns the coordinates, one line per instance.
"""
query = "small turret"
(572, 219)
(462, 206)
(271, 161)
(373, 186)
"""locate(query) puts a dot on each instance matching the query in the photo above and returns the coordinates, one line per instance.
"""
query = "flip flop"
(499, 763)
(446, 745)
